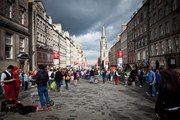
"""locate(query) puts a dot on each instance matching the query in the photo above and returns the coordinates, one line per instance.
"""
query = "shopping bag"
(53, 85)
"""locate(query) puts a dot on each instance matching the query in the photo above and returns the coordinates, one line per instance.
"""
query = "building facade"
(41, 30)
(164, 32)
(123, 39)
(14, 34)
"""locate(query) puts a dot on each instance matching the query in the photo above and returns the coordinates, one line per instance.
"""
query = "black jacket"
(42, 78)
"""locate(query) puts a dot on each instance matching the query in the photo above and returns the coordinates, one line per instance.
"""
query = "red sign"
(56, 55)
(120, 54)
(106, 62)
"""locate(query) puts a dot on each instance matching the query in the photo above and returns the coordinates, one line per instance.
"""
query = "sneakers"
(42, 109)
(140, 85)
(153, 95)
(147, 93)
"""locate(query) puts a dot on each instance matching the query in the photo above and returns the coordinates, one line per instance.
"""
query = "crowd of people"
(165, 84)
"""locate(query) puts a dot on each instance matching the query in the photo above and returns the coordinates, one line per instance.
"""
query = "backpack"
(23, 110)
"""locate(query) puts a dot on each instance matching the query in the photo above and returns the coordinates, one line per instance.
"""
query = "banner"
(56, 55)
(120, 54)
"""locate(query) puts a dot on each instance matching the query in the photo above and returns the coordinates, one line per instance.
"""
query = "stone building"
(14, 35)
(154, 34)
(141, 36)
(41, 32)
(164, 32)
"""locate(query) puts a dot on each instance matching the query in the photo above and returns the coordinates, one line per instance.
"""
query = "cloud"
(84, 20)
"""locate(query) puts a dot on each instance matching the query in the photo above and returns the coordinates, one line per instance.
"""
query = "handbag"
(68, 77)
(53, 85)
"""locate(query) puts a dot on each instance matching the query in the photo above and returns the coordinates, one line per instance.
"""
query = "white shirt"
(3, 76)
(25, 77)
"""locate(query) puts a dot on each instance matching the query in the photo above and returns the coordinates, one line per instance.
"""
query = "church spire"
(103, 32)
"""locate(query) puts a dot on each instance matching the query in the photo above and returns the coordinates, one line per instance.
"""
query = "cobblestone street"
(92, 102)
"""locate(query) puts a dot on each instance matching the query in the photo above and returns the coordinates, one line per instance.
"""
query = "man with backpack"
(41, 81)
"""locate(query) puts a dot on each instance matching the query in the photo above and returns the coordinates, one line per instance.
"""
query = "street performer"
(7, 81)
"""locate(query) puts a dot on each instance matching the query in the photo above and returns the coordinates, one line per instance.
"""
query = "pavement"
(92, 102)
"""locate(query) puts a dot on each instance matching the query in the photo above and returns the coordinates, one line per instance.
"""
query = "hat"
(15, 68)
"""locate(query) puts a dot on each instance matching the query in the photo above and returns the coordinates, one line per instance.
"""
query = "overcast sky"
(84, 19)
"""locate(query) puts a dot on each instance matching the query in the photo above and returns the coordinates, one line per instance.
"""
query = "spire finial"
(103, 32)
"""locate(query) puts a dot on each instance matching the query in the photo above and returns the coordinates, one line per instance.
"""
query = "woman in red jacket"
(17, 82)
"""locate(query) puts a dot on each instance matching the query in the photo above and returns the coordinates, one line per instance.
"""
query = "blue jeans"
(151, 89)
(67, 84)
(43, 92)
(58, 84)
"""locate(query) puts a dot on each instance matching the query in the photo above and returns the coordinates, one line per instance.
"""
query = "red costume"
(17, 82)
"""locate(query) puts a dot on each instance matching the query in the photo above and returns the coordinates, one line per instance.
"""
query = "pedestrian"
(141, 75)
(26, 81)
(168, 101)
(17, 82)
(158, 80)
(42, 78)
(111, 75)
(67, 79)
(21, 76)
(151, 83)
(92, 76)
(8, 81)
(58, 79)
(75, 77)
(104, 75)
(96, 76)
(116, 76)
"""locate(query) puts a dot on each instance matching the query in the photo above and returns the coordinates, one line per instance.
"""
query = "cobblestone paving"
(91, 102)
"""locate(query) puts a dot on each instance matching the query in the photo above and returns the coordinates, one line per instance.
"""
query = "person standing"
(168, 101)
(42, 78)
(17, 82)
(141, 75)
(67, 80)
(8, 81)
(58, 78)
(75, 77)
(26, 81)
(158, 80)
(92, 76)
(116, 76)
(104, 75)
(151, 83)
(96, 73)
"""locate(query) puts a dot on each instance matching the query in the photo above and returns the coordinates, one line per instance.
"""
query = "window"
(155, 33)
(152, 48)
(160, 30)
(8, 46)
(9, 9)
(169, 46)
(174, 5)
(22, 15)
(21, 44)
(146, 41)
(166, 27)
(177, 44)
(160, 13)
(161, 47)
(166, 9)
(174, 22)
(156, 49)
(155, 18)
(142, 43)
